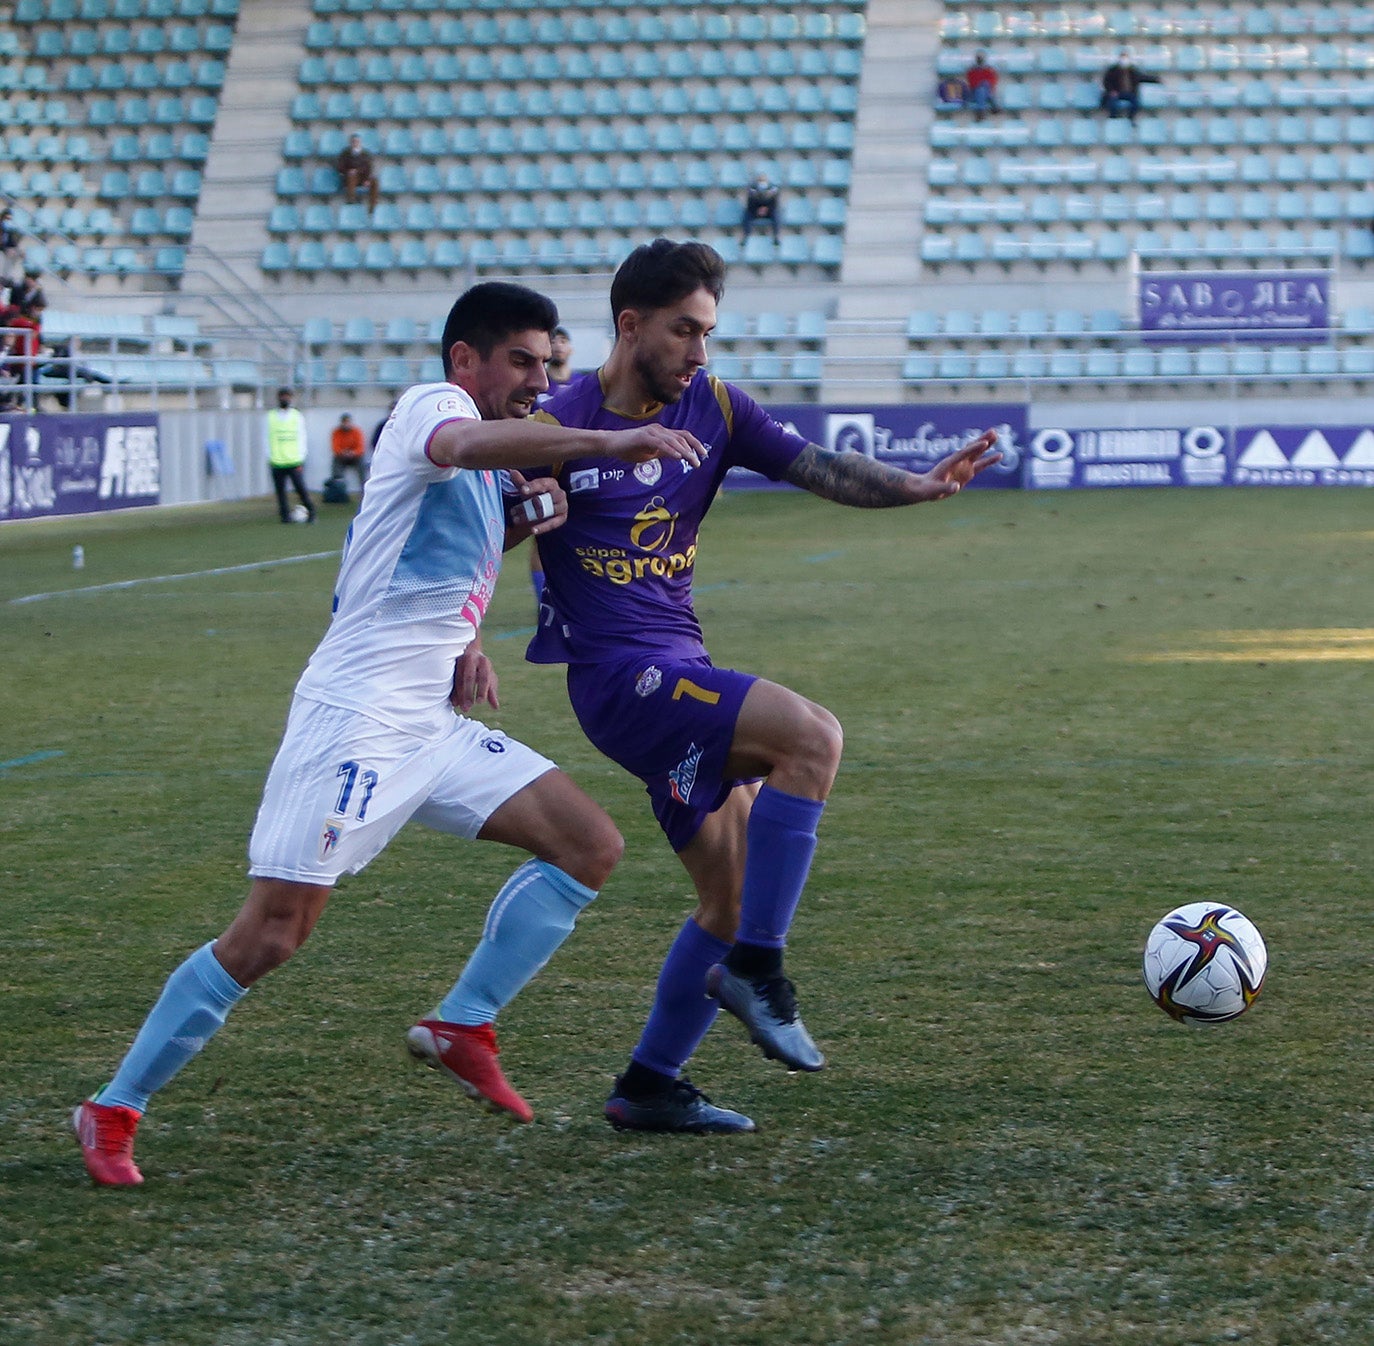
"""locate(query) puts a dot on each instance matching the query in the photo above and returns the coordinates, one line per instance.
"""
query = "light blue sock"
(189, 1012)
(537, 584)
(531, 916)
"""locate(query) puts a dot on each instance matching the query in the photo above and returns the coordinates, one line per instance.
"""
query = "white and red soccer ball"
(1205, 963)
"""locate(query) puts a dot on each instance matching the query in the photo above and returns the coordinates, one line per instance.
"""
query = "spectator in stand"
(980, 83)
(27, 292)
(356, 171)
(761, 205)
(1121, 87)
(21, 339)
(11, 248)
(559, 368)
(349, 448)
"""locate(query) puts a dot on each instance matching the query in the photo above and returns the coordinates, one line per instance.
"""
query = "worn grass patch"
(1010, 1145)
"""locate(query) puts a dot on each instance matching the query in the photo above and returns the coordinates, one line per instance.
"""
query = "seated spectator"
(346, 441)
(356, 172)
(21, 339)
(761, 205)
(1121, 87)
(27, 292)
(980, 83)
(11, 248)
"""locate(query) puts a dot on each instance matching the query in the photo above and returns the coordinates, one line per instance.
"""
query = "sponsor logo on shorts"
(649, 681)
(586, 480)
(649, 472)
(494, 744)
(684, 775)
(330, 836)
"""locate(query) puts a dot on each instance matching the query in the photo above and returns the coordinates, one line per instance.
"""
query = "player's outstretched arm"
(852, 479)
(537, 441)
(647, 441)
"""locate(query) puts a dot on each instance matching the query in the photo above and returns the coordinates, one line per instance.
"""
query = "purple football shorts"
(671, 724)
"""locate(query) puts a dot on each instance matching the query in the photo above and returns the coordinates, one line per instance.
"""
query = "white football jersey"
(419, 565)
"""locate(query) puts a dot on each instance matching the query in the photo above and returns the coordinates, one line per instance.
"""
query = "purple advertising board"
(53, 465)
(1207, 307)
(912, 436)
(1200, 455)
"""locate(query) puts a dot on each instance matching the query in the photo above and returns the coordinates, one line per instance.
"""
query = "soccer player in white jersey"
(377, 732)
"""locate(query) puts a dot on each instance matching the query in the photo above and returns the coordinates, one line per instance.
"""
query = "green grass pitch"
(1064, 715)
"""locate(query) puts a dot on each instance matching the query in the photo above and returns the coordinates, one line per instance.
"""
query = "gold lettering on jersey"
(626, 569)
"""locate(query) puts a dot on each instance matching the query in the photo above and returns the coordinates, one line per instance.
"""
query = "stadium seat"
(1138, 363)
(345, 256)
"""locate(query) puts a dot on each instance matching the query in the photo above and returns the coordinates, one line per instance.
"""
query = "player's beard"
(660, 384)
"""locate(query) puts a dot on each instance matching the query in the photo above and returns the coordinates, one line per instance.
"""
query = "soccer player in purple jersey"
(738, 768)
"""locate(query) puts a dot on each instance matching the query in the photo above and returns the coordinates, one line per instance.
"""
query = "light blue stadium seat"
(178, 221)
(345, 255)
(1029, 364)
(379, 255)
(936, 249)
(1137, 363)
(1290, 206)
(991, 366)
(958, 323)
(448, 255)
(145, 221)
(1320, 362)
(954, 366)
(1103, 365)
(411, 255)
(918, 367)
(276, 256)
(1174, 362)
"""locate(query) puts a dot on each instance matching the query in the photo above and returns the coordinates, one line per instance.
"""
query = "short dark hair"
(488, 313)
(660, 273)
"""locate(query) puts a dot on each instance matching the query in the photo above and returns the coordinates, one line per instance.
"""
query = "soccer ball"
(299, 514)
(1205, 963)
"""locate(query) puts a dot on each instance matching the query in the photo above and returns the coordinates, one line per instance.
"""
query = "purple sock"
(682, 1010)
(782, 840)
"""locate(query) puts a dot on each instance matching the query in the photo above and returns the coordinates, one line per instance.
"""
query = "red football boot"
(468, 1054)
(106, 1137)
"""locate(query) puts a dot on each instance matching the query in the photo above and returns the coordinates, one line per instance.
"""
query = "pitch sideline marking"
(167, 579)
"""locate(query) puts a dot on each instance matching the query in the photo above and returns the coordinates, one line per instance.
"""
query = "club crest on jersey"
(494, 744)
(648, 473)
(585, 480)
(649, 681)
(330, 836)
(684, 775)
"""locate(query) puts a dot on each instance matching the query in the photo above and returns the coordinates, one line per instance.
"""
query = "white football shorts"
(342, 785)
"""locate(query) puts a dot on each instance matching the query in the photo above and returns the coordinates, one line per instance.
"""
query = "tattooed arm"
(852, 479)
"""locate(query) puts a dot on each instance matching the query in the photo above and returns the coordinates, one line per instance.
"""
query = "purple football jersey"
(618, 574)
